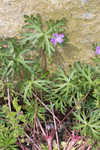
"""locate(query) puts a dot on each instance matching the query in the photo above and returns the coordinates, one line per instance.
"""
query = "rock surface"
(83, 22)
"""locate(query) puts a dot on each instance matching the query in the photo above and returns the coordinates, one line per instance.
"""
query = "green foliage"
(44, 147)
(12, 61)
(35, 85)
(7, 139)
(2, 87)
(39, 34)
(15, 119)
(89, 123)
(70, 89)
(31, 107)
(10, 126)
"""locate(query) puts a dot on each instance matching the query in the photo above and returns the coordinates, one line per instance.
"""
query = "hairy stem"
(9, 98)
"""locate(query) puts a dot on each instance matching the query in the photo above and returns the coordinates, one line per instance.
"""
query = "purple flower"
(97, 52)
(57, 38)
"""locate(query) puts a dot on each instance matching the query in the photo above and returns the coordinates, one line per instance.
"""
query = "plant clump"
(41, 110)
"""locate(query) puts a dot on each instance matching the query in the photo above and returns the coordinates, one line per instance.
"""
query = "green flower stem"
(44, 60)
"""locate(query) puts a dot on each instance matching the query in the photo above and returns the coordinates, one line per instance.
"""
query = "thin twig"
(38, 136)
(55, 125)
(29, 138)
(41, 127)
(75, 106)
(37, 98)
(34, 126)
(21, 145)
(48, 138)
(89, 148)
(60, 122)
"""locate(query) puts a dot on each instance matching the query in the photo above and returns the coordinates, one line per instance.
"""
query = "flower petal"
(55, 35)
(59, 40)
(97, 52)
(54, 41)
(61, 35)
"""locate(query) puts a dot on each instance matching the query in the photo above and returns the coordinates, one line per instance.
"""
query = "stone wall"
(83, 22)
